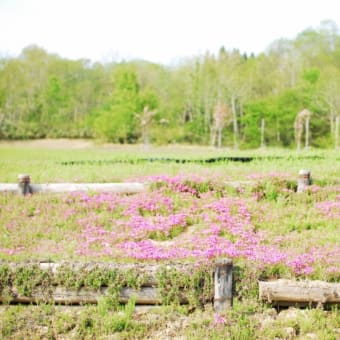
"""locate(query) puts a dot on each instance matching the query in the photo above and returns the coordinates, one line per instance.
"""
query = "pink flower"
(219, 321)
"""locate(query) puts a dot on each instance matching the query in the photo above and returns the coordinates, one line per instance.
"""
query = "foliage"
(176, 286)
(43, 95)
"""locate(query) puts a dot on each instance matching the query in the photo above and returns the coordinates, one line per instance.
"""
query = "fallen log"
(149, 283)
(126, 188)
(67, 296)
(303, 293)
(9, 187)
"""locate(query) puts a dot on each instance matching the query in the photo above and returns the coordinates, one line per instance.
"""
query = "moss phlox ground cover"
(178, 217)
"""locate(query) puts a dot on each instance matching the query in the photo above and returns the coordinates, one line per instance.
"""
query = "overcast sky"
(156, 30)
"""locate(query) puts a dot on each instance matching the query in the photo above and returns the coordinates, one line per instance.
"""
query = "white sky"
(156, 30)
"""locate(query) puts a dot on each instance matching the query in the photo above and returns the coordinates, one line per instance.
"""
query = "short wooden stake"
(223, 283)
(304, 180)
(24, 184)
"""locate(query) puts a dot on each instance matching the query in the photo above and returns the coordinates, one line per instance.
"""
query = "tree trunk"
(206, 113)
(307, 133)
(262, 132)
(336, 139)
(278, 135)
(2, 116)
(75, 114)
(332, 119)
(219, 140)
(299, 144)
(213, 136)
(235, 124)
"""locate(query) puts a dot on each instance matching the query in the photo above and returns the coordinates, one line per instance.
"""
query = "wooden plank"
(290, 292)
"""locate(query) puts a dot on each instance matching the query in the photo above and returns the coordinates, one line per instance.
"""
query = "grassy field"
(44, 161)
(249, 212)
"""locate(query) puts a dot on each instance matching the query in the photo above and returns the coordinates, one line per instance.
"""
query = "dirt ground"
(51, 143)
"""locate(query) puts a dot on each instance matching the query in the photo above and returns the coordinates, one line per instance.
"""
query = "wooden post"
(304, 180)
(24, 184)
(223, 283)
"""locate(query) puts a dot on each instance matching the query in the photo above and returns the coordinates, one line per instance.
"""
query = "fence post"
(304, 180)
(24, 184)
(223, 285)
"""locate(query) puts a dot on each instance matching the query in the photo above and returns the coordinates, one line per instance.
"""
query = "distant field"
(45, 161)
(248, 211)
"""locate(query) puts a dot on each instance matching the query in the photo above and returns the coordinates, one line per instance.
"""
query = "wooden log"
(290, 292)
(9, 187)
(223, 284)
(304, 180)
(127, 188)
(62, 295)
(148, 294)
(146, 270)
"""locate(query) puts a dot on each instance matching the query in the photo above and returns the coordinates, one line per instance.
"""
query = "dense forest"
(229, 99)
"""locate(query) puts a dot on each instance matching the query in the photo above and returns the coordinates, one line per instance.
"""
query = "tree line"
(228, 99)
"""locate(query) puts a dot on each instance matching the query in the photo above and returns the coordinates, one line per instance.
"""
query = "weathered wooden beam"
(26, 188)
(149, 293)
(223, 285)
(67, 296)
(148, 271)
(289, 292)
(102, 187)
(9, 187)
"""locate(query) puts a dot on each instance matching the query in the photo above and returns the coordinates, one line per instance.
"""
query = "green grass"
(45, 164)
(39, 226)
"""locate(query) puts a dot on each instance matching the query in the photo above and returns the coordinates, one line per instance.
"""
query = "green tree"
(116, 121)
